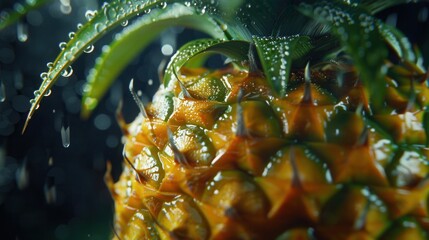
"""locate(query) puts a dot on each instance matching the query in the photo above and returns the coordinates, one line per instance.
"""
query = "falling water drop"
(2, 92)
(22, 175)
(22, 32)
(65, 132)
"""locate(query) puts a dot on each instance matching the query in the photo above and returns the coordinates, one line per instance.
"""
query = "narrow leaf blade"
(8, 18)
(133, 40)
(276, 56)
(235, 49)
(356, 29)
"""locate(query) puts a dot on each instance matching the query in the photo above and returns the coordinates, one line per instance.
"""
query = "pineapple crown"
(280, 35)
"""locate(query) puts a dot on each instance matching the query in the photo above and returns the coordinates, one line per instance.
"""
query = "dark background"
(83, 208)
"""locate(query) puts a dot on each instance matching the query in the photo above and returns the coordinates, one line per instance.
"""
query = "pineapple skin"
(228, 159)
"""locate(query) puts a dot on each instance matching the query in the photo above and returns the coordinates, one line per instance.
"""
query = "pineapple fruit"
(332, 147)
(230, 160)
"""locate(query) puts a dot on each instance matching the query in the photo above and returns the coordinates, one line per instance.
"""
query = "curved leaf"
(110, 16)
(235, 49)
(277, 54)
(133, 40)
(8, 18)
(397, 41)
(117, 11)
(380, 5)
(356, 29)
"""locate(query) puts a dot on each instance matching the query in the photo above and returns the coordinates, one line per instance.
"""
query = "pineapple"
(333, 146)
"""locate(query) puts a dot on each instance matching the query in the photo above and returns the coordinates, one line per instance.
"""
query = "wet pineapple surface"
(220, 156)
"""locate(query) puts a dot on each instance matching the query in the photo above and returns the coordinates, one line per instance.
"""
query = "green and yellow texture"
(241, 163)
(317, 129)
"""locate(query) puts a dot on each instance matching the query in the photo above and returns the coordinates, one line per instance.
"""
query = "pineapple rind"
(262, 167)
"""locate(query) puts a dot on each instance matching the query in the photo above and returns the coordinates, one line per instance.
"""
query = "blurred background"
(49, 190)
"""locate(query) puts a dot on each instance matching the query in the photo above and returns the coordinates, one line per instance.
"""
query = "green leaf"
(397, 41)
(235, 49)
(378, 6)
(117, 11)
(133, 40)
(8, 18)
(277, 54)
(358, 33)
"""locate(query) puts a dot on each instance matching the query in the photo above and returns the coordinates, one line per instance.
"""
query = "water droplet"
(147, 11)
(90, 14)
(89, 49)
(36, 93)
(48, 92)
(167, 50)
(163, 5)
(49, 65)
(22, 32)
(71, 35)
(65, 132)
(99, 27)
(150, 82)
(110, 13)
(68, 72)
(79, 26)
(124, 23)
(2, 92)
(224, 27)
(62, 45)
(50, 190)
(22, 175)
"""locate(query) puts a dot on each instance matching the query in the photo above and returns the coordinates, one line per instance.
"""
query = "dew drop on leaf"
(71, 35)
(62, 45)
(48, 93)
(89, 49)
(68, 72)
(90, 15)
(124, 23)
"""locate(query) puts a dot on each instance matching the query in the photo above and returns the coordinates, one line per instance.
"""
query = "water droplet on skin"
(22, 32)
(89, 49)
(65, 132)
